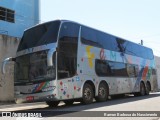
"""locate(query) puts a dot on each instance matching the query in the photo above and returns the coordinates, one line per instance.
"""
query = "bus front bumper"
(38, 97)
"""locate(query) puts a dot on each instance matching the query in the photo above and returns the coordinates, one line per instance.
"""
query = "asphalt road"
(118, 108)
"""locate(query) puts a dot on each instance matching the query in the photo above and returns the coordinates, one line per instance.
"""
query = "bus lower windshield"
(33, 67)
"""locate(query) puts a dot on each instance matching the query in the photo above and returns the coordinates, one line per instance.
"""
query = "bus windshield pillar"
(50, 56)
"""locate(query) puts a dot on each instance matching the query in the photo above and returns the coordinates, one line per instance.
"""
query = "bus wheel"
(87, 94)
(102, 93)
(147, 88)
(68, 102)
(52, 103)
(142, 89)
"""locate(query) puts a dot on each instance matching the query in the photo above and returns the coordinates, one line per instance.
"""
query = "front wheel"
(52, 103)
(88, 94)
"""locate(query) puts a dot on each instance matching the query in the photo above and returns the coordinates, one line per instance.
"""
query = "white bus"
(66, 61)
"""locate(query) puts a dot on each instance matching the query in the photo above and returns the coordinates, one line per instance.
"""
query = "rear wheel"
(142, 89)
(88, 94)
(52, 103)
(148, 88)
(102, 93)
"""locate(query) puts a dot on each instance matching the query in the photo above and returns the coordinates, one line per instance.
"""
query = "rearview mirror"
(5, 62)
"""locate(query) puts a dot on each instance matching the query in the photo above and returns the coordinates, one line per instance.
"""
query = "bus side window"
(62, 69)
(132, 70)
(153, 72)
(136, 69)
(103, 68)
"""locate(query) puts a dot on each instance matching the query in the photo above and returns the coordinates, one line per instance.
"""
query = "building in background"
(15, 17)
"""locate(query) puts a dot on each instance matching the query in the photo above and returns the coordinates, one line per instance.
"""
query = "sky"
(133, 20)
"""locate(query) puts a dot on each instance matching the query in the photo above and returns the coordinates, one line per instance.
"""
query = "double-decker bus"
(66, 61)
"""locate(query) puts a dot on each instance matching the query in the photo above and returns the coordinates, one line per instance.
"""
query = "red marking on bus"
(61, 83)
(102, 55)
(145, 73)
(40, 87)
(82, 59)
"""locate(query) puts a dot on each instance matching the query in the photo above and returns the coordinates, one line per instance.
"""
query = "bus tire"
(68, 102)
(52, 103)
(142, 89)
(102, 93)
(147, 88)
(88, 94)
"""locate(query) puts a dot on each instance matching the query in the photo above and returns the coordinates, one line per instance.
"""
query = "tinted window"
(121, 45)
(68, 45)
(128, 48)
(40, 35)
(108, 68)
(98, 39)
(119, 69)
(153, 72)
(150, 53)
(69, 32)
(103, 68)
(132, 70)
(68, 39)
(107, 41)
(103, 40)
(137, 50)
(144, 53)
(89, 37)
(33, 67)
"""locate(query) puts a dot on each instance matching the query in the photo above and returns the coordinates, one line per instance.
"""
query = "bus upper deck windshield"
(40, 35)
